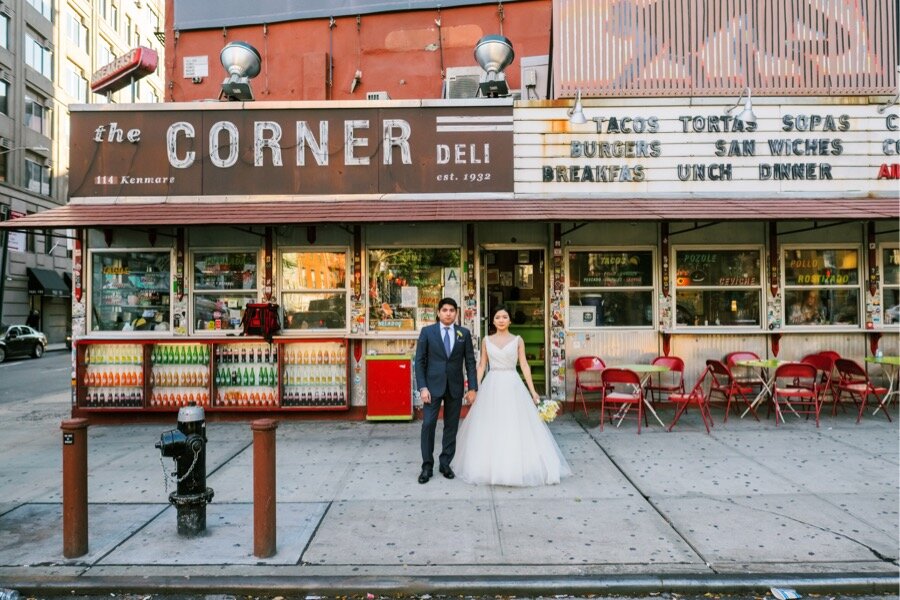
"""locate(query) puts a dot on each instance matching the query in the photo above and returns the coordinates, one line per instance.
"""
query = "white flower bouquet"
(547, 409)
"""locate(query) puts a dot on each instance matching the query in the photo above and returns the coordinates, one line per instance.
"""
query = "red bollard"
(263, 487)
(75, 488)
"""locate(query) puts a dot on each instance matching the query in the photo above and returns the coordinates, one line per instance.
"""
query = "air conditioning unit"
(462, 82)
(377, 96)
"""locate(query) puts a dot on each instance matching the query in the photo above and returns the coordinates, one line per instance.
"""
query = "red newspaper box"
(389, 388)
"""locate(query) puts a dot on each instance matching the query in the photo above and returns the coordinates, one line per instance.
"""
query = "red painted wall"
(396, 52)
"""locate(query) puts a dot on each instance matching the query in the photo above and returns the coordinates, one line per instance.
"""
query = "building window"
(890, 277)
(4, 166)
(105, 54)
(38, 57)
(37, 177)
(314, 302)
(30, 236)
(611, 288)
(113, 18)
(223, 283)
(718, 288)
(76, 30)
(76, 84)
(406, 284)
(134, 90)
(821, 286)
(4, 97)
(130, 291)
(4, 31)
(37, 116)
(45, 7)
(129, 29)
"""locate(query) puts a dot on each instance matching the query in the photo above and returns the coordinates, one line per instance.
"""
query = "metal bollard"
(75, 488)
(263, 487)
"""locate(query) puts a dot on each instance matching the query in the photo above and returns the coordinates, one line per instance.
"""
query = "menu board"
(611, 269)
(225, 271)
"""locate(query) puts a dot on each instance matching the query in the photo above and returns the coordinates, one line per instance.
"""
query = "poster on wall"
(16, 239)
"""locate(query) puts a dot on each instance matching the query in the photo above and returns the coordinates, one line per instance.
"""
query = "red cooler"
(389, 388)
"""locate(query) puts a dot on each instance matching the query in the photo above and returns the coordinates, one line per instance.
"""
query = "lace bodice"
(505, 358)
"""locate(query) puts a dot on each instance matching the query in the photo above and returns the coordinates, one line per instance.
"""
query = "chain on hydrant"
(187, 445)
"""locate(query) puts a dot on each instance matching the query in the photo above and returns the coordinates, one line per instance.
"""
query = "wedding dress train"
(503, 441)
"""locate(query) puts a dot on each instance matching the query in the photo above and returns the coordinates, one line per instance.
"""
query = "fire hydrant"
(187, 445)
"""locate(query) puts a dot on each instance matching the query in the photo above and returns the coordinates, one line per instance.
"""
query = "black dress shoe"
(447, 472)
(424, 476)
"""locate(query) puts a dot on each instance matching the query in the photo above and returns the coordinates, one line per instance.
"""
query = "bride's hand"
(535, 398)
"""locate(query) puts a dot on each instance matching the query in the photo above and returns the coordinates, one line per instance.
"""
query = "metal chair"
(696, 397)
(796, 386)
(669, 382)
(855, 381)
(724, 382)
(824, 364)
(583, 365)
(622, 389)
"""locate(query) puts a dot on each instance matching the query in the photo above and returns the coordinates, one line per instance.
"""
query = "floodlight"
(494, 53)
(242, 62)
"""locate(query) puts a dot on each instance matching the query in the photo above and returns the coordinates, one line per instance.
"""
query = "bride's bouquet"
(547, 409)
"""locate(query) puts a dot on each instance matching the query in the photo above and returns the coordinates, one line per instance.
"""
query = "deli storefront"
(648, 230)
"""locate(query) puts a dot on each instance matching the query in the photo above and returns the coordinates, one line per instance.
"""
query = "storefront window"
(611, 288)
(130, 291)
(890, 261)
(717, 288)
(821, 286)
(223, 284)
(314, 290)
(405, 285)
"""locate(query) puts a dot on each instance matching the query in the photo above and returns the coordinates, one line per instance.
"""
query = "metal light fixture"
(494, 53)
(576, 113)
(242, 62)
(746, 115)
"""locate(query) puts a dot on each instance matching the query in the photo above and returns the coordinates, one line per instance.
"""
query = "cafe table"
(764, 369)
(645, 371)
(889, 364)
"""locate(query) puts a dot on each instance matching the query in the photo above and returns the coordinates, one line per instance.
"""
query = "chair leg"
(681, 409)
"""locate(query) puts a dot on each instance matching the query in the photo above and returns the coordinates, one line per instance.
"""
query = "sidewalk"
(747, 507)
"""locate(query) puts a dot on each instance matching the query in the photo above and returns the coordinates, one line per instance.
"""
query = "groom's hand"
(470, 396)
(425, 395)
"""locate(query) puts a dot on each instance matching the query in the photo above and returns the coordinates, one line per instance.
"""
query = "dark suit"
(443, 376)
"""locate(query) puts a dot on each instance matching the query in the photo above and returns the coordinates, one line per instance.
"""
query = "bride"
(503, 441)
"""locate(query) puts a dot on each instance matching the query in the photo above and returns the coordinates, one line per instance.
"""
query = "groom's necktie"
(447, 346)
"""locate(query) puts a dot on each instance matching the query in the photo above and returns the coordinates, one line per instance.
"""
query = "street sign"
(134, 64)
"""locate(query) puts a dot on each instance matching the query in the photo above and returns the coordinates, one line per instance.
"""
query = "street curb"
(444, 585)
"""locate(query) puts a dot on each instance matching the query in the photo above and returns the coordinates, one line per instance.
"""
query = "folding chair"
(796, 385)
(669, 382)
(622, 389)
(744, 375)
(855, 381)
(824, 364)
(582, 365)
(696, 397)
(724, 383)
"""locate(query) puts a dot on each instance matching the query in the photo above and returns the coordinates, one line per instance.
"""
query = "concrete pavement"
(747, 507)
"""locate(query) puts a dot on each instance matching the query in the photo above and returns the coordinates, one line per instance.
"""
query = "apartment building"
(48, 52)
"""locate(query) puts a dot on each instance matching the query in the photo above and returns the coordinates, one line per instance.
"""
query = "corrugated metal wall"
(718, 47)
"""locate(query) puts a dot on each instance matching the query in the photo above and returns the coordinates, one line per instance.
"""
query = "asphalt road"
(22, 378)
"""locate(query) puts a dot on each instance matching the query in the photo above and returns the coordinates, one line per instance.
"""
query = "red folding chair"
(622, 389)
(746, 376)
(855, 381)
(669, 382)
(583, 365)
(696, 397)
(824, 364)
(724, 383)
(796, 386)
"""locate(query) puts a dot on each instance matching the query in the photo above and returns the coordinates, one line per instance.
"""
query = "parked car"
(21, 340)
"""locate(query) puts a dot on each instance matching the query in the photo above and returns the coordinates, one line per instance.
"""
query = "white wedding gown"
(503, 441)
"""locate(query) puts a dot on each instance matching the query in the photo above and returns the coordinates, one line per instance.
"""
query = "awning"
(289, 211)
(46, 282)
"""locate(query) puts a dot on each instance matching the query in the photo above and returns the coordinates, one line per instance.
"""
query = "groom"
(440, 353)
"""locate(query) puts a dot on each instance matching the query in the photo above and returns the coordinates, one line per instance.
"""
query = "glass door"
(514, 277)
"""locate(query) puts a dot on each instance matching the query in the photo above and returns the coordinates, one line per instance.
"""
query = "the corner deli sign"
(263, 151)
(134, 64)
